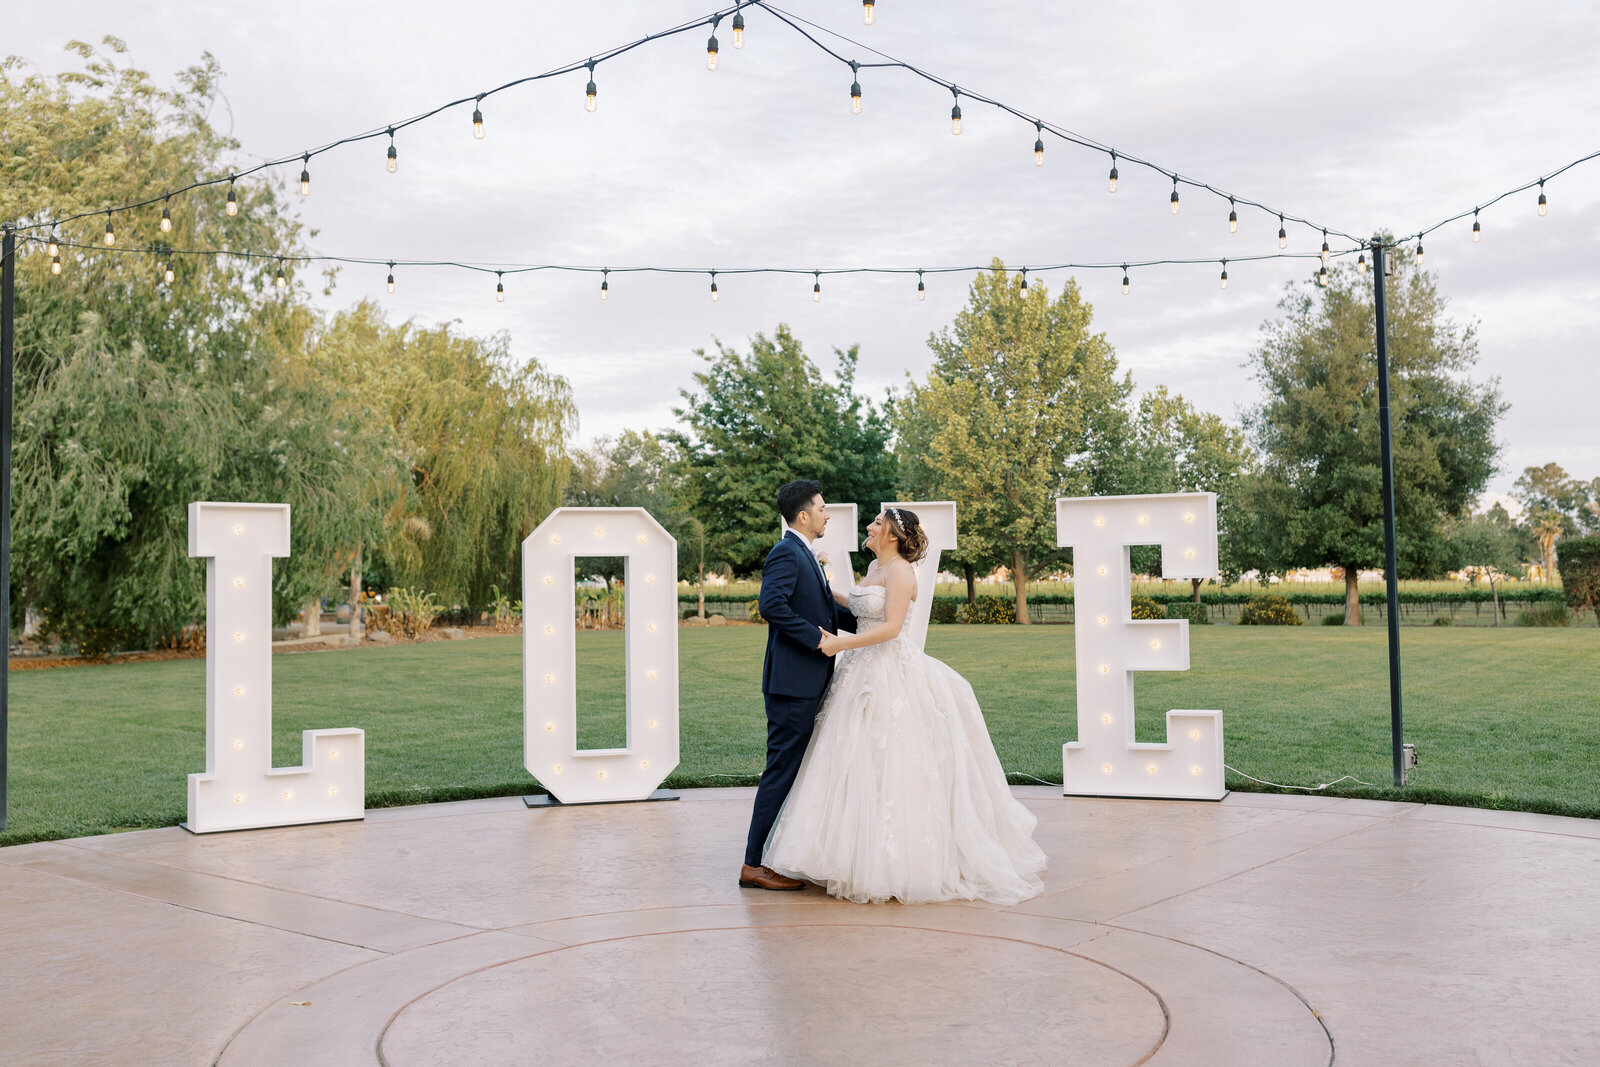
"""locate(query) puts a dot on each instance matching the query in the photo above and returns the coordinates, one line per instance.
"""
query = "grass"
(1504, 718)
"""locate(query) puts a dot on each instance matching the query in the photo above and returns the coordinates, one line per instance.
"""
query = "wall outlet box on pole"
(1408, 761)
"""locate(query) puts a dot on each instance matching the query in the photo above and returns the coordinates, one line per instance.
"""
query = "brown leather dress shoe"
(766, 878)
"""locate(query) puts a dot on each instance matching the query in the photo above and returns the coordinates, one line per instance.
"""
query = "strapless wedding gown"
(900, 794)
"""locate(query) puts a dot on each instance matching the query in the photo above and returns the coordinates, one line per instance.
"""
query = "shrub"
(752, 611)
(943, 610)
(1444, 620)
(1333, 620)
(1195, 613)
(1269, 611)
(1145, 608)
(1545, 615)
(1580, 573)
(991, 610)
(411, 612)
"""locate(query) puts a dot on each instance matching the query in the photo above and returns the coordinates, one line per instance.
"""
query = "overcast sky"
(1361, 115)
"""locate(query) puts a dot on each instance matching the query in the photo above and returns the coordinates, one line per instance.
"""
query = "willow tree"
(1022, 405)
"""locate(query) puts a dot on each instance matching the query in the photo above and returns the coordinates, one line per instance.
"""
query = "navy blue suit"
(797, 603)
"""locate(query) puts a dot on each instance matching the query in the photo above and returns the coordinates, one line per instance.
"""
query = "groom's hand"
(830, 645)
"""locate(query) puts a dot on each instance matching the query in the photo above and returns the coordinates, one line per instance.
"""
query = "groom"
(798, 605)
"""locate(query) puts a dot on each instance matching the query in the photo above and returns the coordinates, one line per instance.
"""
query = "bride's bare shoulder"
(900, 574)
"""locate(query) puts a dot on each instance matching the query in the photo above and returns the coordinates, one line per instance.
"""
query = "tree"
(1318, 498)
(1556, 506)
(635, 470)
(1488, 545)
(1022, 405)
(1183, 450)
(767, 418)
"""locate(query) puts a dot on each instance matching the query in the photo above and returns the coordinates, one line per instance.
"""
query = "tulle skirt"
(900, 794)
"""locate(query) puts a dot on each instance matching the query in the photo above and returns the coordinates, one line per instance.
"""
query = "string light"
(714, 294)
(1038, 145)
(1543, 206)
(589, 91)
(1283, 234)
(1322, 277)
(1233, 217)
(305, 174)
(393, 156)
(282, 280)
(866, 12)
(52, 246)
(1419, 252)
(955, 112)
(922, 290)
(233, 201)
(1024, 281)
(55, 263)
(605, 282)
(855, 88)
(1111, 183)
(169, 274)
(166, 218)
(1361, 263)
(1124, 279)
(1224, 274)
(111, 234)
(477, 117)
(390, 282)
(499, 287)
(738, 29)
(1324, 246)
(1174, 194)
(1477, 231)
(711, 45)
(816, 288)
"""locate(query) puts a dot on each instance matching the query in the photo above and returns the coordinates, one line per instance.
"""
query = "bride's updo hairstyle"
(908, 531)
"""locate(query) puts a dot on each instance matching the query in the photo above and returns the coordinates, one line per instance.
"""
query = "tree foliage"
(1022, 405)
(1556, 505)
(1318, 498)
(767, 418)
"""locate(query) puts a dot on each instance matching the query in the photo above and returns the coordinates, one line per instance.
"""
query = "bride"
(900, 794)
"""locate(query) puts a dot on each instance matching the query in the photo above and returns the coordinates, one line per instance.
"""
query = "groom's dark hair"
(794, 497)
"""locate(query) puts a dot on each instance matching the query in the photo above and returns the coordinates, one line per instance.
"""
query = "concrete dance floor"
(1259, 930)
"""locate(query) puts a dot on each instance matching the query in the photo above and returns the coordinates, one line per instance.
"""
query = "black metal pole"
(1391, 570)
(8, 305)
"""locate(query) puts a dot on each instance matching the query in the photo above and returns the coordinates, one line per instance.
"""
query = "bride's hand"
(831, 644)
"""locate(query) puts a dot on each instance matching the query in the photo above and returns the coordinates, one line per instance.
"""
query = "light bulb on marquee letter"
(240, 788)
(549, 659)
(1109, 762)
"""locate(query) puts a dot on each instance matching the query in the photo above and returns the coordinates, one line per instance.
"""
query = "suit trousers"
(789, 724)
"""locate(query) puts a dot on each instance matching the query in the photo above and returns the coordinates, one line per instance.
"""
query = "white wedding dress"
(900, 794)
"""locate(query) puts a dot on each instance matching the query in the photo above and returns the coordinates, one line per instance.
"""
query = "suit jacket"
(796, 602)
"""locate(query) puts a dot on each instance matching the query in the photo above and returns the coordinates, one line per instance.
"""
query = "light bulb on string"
(955, 112)
(389, 284)
(282, 280)
(1419, 251)
(1233, 217)
(711, 45)
(922, 290)
(1111, 183)
(1324, 246)
(1124, 279)
(714, 295)
(233, 200)
(1322, 277)
(1038, 145)
(589, 90)
(866, 12)
(394, 163)
(166, 218)
(477, 117)
(169, 274)
(1174, 200)
(738, 29)
(1361, 263)
(111, 234)
(305, 175)
(1283, 234)
(1024, 281)
(1543, 205)
(605, 282)
(816, 288)
(499, 287)
(855, 88)
(1477, 231)
(55, 263)
(1224, 274)
(52, 245)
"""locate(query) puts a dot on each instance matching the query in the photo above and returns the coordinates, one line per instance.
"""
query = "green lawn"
(1501, 718)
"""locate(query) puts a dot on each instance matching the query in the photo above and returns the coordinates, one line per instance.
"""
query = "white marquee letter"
(241, 789)
(1111, 645)
(550, 655)
(938, 519)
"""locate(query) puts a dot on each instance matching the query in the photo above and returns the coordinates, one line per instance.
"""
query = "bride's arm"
(900, 584)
